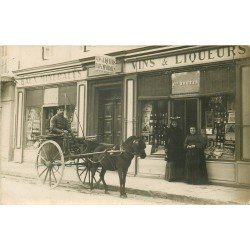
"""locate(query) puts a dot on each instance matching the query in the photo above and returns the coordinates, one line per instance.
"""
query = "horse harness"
(108, 160)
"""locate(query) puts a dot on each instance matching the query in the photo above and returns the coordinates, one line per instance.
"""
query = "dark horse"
(131, 147)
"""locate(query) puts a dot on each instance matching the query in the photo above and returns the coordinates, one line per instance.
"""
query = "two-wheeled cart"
(56, 152)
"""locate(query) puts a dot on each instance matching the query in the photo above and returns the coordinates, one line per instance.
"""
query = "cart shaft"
(95, 153)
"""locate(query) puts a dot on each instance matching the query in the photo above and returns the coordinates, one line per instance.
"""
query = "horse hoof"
(123, 196)
(106, 192)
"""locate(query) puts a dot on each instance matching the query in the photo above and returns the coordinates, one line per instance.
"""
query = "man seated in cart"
(59, 124)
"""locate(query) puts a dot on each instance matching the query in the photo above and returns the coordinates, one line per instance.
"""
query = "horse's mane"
(128, 141)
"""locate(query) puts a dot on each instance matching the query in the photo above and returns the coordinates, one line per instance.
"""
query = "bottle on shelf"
(219, 128)
(155, 118)
(156, 141)
(215, 129)
(155, 128)
(163, 119)
(225, 117)
(160, 128)
(222, 139)
(151, 119)
(223, 128)
(162, 140)
(151, 139)
(159, 118)
(151, 129)
(218, 142)
(221, 117)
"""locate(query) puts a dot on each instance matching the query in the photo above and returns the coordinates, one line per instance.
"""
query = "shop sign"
(105, 64)
(51, 96)
(186, 82)
(52, 78)
(93, 72)
(189, 58)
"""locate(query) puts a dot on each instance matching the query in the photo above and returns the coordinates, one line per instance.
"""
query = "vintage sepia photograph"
(156, 124)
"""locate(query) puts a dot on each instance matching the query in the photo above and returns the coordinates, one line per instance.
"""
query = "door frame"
(93, 103)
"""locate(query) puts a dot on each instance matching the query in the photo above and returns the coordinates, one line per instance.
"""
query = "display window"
(218, 123)
(154, 120)
(33, 125)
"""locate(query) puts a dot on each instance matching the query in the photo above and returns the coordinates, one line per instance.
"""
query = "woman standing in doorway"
(175, 153)
(196, 172)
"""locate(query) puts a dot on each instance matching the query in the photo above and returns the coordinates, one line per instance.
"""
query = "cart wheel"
(83, 171)
(50, 163)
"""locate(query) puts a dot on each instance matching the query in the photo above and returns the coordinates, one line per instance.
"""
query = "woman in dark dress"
(175, 153)
(196, 172)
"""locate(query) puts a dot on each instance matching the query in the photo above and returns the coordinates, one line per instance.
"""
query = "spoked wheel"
(83, 171)
(50, 163)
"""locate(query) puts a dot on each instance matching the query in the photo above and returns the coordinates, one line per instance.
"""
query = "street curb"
(174, 197)
(148, 193)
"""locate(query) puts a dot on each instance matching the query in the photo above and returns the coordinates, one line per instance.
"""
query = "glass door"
(187, 110)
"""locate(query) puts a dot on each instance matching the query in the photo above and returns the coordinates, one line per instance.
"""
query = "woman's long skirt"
(196, 172)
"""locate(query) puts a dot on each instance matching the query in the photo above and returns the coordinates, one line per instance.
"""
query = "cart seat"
(50, 137)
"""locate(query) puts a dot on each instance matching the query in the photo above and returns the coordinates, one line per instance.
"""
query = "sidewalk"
(182, 192)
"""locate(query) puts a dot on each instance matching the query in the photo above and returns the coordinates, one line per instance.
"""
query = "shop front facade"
(38, 93)
(207, 87)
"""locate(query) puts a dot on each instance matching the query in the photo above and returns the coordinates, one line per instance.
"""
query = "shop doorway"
(109, 116)
(187, 110)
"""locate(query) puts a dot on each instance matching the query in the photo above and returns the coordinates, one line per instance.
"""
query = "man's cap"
(60, 107)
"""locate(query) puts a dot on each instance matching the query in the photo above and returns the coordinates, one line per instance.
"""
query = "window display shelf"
(153, 125)
(220, 127)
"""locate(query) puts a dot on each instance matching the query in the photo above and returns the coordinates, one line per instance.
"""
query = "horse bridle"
(125, 148)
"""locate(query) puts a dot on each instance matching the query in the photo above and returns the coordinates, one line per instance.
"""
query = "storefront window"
(33, 125)
(218, 123)
(154, 121)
